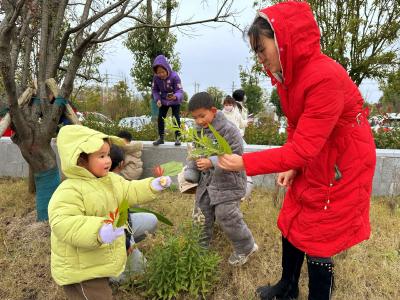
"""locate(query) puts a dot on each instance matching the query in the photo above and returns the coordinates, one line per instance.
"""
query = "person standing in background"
(167, 92)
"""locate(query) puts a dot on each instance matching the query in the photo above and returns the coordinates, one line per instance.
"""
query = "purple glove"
(161, 183)
(108, 234)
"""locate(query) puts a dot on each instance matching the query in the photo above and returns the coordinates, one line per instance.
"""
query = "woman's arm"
(324, 101)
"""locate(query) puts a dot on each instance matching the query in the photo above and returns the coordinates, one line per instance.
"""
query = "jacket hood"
(162, 61)
(297, 35)
(219, 121)
(133, 147)
(72, 140)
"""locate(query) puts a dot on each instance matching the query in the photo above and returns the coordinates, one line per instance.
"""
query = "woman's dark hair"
(123, 134)
(117, 155)
(229, 100)
(260, 27)
(201, 100)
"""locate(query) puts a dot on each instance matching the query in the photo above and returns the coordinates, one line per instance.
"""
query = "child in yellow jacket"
(85, 251)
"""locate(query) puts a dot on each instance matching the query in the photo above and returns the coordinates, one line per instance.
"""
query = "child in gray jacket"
(219, 192)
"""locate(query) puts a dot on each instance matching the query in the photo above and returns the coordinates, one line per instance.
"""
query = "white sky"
(210, 58)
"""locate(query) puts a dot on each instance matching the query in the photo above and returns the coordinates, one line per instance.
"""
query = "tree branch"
(144, 25)
(83, 76)
(89, 21)
(44, 36)
(52, 59)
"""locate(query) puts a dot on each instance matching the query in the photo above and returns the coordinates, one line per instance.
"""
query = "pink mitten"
(108, 234)
(161, 183)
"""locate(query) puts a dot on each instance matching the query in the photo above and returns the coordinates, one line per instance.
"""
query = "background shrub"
(387, 139)
(264, 131)
(148, 132)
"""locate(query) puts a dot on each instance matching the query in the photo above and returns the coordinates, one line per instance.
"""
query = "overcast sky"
(210, 58)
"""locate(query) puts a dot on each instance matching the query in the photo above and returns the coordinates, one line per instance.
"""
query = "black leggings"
(162, 113)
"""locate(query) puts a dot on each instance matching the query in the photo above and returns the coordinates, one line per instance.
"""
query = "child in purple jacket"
(167, 92)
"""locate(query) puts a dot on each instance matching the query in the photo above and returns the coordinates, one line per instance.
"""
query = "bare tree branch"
(89, 21)
(216, 19)
(83, 76)
(7, 71)
(52, 61)
(44, 37)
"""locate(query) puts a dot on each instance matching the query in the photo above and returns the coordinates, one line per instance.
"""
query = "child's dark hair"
(260, 27)
(229, 100)
(83, 158)
(159, 66)
(125, 135)
(201, 100)
(117, 155)
(238, 95)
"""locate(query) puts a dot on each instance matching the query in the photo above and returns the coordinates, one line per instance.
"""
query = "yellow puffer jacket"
(79, 206)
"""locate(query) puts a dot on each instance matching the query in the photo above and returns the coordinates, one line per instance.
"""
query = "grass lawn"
(370, 270)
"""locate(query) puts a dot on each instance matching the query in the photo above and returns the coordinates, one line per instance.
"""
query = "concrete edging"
(386, 179)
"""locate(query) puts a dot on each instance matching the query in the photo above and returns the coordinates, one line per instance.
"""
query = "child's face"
(204, 116)
(161, 73)
(228, 107)
(99, 162)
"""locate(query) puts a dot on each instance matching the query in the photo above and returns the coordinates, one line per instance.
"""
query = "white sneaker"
(241, 259)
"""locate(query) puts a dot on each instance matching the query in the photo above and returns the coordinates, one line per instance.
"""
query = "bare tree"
(35, 36)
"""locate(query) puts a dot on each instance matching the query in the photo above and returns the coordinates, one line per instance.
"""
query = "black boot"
(288, 287)
(159, 141)
(283, 290)
(320, 278)
(177, 141)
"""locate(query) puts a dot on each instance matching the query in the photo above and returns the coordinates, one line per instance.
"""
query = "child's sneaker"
(241, 259)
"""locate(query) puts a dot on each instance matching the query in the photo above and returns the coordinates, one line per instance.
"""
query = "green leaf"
(172, 168)
(160, 217)
(122, 213)
(221, 141)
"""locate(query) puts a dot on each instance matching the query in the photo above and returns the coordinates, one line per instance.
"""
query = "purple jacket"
(172, 84)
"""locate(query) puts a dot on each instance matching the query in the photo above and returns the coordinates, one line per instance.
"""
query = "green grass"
(370, 270)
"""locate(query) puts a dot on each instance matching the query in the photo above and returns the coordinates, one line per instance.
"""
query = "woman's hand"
(159, 103)
(285, 179)
(203, 164)
(231, 162)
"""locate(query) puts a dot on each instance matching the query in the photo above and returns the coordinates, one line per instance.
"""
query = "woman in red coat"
(329, 158)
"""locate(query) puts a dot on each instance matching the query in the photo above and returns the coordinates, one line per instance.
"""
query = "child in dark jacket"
(218, 192)
(167, 92)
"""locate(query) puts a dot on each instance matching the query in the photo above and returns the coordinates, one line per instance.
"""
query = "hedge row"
(264, 132)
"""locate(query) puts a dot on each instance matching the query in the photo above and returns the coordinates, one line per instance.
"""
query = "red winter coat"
(321, 216)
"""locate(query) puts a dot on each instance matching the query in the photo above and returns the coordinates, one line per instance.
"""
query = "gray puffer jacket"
(222, 186)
